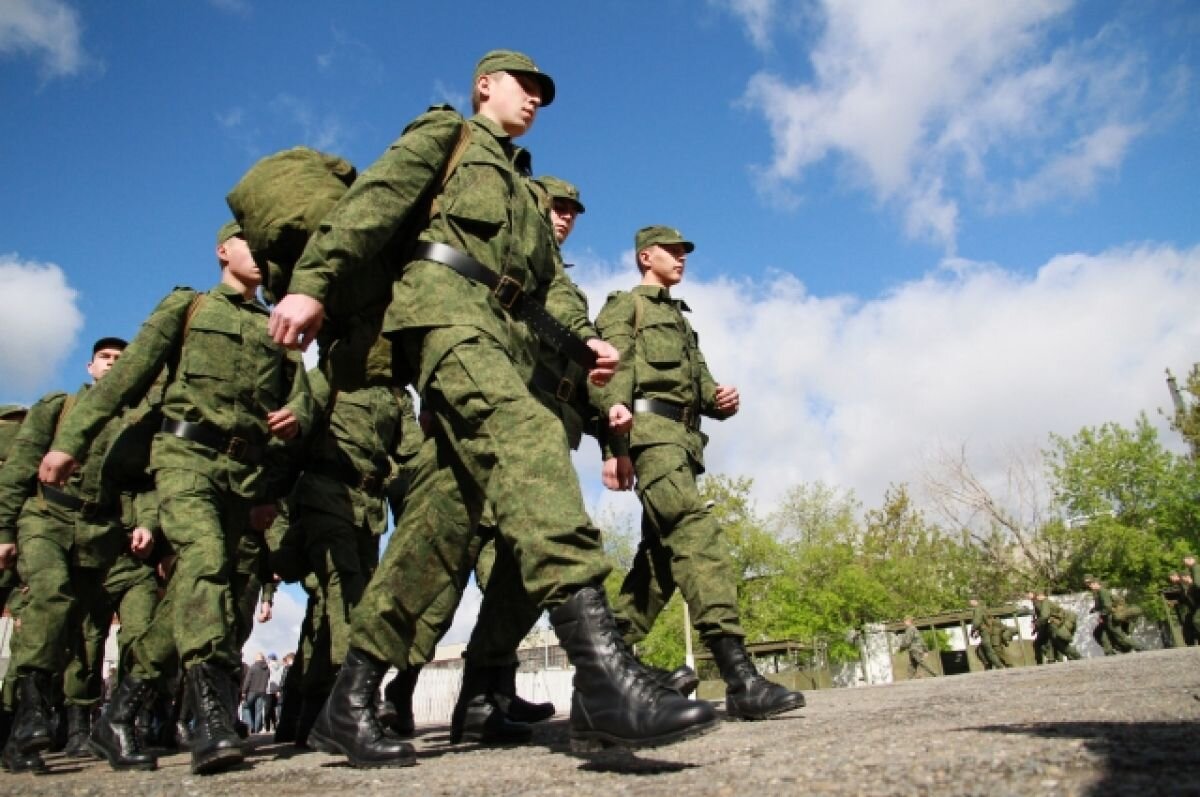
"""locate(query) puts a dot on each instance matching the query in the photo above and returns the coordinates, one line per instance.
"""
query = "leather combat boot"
(32, 731)
(748, 695)
(79, 726)
(616, 701)
(477, 717)
(215, 744)
(115, 737)
(682, 679)
(17, 762)
(515, 707)
(395, 710)
(347, 724)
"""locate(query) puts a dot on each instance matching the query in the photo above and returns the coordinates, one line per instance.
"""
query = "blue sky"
(921, 227)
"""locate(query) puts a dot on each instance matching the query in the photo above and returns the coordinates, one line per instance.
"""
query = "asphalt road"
(1122, 725)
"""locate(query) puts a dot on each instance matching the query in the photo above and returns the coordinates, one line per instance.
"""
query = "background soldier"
(983, 628)
(912, 642)
(663, 383)
(1061, 624)
(1112, 626)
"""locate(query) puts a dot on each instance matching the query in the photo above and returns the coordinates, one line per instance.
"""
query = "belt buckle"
(508, 292)
(237, 448)
(565, 390)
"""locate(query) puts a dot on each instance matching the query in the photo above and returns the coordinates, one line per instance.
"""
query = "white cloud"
(39, 320)
(862, 394)
(46, 29)
(759, 17)
(280, 634)
(930, 110)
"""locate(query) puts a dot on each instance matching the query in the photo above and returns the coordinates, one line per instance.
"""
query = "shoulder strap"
(639, 310)
(456, 156)
(67, 404)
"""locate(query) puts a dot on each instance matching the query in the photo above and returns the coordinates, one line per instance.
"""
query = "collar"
(519, 155)
(660, 294)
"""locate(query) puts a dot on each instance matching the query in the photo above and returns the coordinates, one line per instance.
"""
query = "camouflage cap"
(228, 230)
(513, 61)
(561, 189)
(109, 343)
(658, 234)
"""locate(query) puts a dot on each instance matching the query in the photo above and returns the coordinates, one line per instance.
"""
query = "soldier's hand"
(264, 612)
(727, 399)
(262, 516)
(8, 555)
(296, 320)
(56, 468)
(141, 542)
(283, 424)
(607, 359)
(618, 473)
(620, 419)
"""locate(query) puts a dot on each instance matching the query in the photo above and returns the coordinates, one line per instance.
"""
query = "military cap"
(561, 189)
(108, 343)
(513, 61)
(228, 230)
(658, 234)
(1089, 578)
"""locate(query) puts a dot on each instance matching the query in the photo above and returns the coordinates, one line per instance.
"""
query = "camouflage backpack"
(280, 202)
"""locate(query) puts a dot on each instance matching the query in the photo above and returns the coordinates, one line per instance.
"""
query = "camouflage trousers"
(682, 546)
(495, 443)
(60, 590)
(130, 590)
(198, 619)
(342, 557)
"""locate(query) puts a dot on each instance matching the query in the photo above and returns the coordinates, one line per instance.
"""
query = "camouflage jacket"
(912, 641)
(489, 209)
(20, 501)
(660, 359)
(227, 373)
(1055, 615)
(1103, 603)
(361, 436)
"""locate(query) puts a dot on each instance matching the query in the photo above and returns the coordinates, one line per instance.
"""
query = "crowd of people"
(204, 463)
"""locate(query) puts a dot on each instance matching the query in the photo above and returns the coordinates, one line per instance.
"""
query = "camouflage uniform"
(984, 623)
(1112, 628)
(225, 376)
(681, 541)
(913, 643)
(473, 361)
(1061, 624)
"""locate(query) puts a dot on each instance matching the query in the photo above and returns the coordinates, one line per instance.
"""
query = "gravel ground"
(1120, 725)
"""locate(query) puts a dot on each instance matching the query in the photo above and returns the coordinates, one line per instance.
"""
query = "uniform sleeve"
(568, 304)
(615, 325)
(378, 203)
(18, 476)
(128, 381)
(708, 389)
(300, 397)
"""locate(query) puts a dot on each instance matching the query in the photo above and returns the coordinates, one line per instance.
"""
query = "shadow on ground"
(1146, 757)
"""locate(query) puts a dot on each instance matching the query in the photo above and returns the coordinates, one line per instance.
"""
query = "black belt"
(512, 298)
(675, 412)
(371, 483)
(88, 510)
(547, 381)
(211, 437)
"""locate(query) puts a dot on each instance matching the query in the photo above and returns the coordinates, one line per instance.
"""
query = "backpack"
(280, 202)
(11, 416)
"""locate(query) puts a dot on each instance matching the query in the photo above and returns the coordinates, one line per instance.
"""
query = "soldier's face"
(239, 263)
(663, 264)
(102, 361)
(563, 213)
(510, 100)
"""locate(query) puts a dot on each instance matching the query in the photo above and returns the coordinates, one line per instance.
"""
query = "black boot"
(32, 731)
(616, 701)
(215, 744)
(79, 726)
(114, 737)
(17, 762)
(748, 695)
(347, 723)
(682, 679)
(477, 717)
(310, 709)
(395, 711)
(515, 707)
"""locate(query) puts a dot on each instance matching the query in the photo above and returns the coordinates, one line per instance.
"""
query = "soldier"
(664, 386)
(912, 642)
(1112, 625)
(983, 626)
(1061, 624)
(230, 389)
(467, 311)
(1190, 603)
(1042, 647)
(64, 540)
